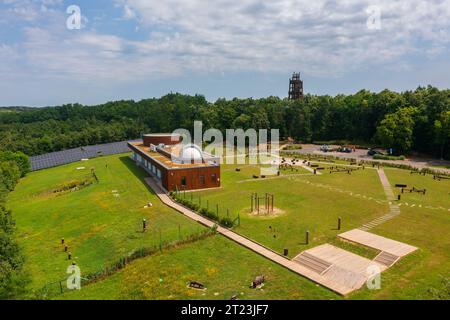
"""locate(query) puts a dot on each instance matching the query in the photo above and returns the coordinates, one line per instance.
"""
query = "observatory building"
(177, 166)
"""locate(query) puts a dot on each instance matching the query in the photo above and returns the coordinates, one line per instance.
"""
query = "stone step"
(312, 262)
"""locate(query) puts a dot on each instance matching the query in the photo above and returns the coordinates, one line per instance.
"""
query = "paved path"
(250, 244)
(394, 209)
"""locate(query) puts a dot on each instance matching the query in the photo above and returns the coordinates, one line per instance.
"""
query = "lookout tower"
(295, 87)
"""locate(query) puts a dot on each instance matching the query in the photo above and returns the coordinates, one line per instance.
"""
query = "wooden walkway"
(260, 249)
(394, 209)
(374, 241)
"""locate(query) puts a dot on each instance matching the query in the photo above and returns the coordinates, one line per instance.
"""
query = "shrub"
(384, 157)
(226, 222)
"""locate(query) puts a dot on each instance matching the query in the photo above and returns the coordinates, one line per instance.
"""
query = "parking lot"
(361, 154)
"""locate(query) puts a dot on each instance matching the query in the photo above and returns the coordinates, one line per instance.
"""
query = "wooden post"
(307, 237)
(251, 200)
(286, 252)
(257, 199)
(62, 241)
(144, 225)
(339, 223)
(399, 197)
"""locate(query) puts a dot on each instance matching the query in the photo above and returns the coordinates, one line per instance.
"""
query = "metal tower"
(295, 87)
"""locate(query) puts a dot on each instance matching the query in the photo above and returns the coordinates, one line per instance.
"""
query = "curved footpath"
(394, 209)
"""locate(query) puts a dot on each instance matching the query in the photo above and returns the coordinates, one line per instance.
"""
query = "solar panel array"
(58, 158)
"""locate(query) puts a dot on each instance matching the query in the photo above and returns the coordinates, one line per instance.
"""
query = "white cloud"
(321, 38)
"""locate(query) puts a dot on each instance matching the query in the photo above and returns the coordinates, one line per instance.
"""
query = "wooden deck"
(346, 269)
(374, 241)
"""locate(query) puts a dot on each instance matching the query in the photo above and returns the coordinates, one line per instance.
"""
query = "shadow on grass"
(138, 172)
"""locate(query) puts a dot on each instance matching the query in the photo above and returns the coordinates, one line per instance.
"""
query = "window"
(214, 178)
(183, 181)
(202, 180)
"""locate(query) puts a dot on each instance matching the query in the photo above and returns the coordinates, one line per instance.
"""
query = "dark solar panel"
(58, 158)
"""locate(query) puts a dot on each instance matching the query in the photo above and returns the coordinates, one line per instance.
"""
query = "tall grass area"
(100, 223)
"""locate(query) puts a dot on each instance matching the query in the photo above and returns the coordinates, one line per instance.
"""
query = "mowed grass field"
(101, 228)
(100, 223)
(304, 202)
(224, 267)
(425, 223)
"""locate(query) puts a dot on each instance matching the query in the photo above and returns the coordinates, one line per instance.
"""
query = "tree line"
(13, 279)
(416, 120)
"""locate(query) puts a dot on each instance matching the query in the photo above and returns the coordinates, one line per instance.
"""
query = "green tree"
(9, 174)
(19, 158)
(13, 279)
(396, 130)
(442, 131)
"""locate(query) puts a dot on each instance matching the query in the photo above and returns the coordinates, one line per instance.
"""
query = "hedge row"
(223, 221)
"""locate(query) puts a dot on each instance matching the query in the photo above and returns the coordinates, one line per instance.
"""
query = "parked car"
(373, 152)
(326, 148)
(345, 150)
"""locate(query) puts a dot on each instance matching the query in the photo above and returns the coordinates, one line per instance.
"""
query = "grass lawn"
(215, 262)
(100, 223)
(424, 274)
(305, 201)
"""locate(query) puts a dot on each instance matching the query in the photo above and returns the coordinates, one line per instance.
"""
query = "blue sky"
(134, 49)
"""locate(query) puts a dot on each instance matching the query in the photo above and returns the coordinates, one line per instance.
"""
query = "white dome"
(191, 153)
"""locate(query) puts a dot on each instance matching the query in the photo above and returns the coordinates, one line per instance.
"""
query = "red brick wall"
(193, 180)
(158, 139)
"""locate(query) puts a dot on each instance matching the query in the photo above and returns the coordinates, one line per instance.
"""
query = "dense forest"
(409, 121)
(13, 279)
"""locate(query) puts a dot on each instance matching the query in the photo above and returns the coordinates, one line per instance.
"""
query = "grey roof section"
(59, 158)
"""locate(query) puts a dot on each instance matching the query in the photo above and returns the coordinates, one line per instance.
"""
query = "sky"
(136, 49)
